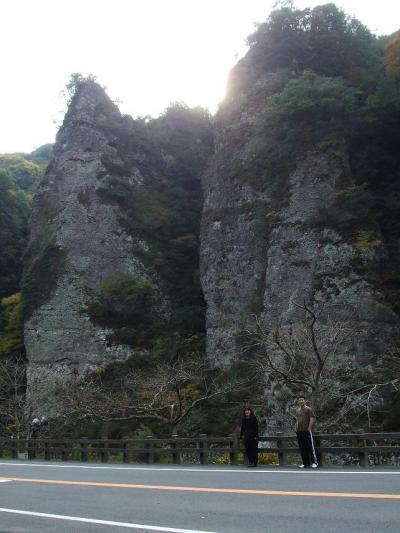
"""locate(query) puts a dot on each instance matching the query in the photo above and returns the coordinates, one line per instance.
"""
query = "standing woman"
(249, 434)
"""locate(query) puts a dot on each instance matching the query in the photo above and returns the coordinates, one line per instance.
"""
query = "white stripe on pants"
(313, 449)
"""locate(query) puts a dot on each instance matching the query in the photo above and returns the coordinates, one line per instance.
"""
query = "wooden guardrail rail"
(361, 448)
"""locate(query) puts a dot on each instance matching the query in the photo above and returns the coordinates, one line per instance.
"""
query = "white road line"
(5, 480)
(208, 470)
(102, 522)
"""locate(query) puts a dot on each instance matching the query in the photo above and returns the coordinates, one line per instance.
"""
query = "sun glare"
(147, 53)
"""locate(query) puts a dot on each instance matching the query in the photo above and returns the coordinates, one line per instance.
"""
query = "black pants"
(251, 449)
(306, 445)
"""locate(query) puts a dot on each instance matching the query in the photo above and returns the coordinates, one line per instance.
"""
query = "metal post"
(203, 449)
(31, 447)
(14, 448)
(46, 451)
(64, 452)
(104, 451)
(150, 450)
(84, 449)
(362, 454)
(125, 452)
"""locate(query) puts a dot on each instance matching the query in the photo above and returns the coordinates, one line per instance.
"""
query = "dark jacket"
(249, 427)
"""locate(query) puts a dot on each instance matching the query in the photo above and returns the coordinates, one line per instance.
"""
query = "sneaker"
(301, 466)
(314, 465)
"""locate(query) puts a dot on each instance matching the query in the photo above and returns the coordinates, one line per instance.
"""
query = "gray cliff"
(112, 263)
(259, 256)
(77, 243)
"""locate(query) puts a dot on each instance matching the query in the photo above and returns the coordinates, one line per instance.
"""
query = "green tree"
(25, 173)
(11, 335)
(323, 39)
(13, 232)
(311, 111)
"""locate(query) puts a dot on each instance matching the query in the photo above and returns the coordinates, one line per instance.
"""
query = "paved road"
(59, 497)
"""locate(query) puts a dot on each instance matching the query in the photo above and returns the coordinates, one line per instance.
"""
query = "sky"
(148, 53)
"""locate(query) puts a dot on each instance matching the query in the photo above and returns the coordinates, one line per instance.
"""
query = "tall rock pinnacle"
(271, 237)
(77, 243)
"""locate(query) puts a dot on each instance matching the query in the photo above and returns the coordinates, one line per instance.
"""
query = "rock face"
(260, 256)
(119, 210)
(75, 244)
(309, 260)
(109, 220)
(233, 256)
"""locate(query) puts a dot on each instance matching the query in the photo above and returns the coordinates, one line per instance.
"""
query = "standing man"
(305, 419)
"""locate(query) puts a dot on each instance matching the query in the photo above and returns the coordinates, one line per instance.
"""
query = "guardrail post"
(150, 450)
(362, 454)
(84, 444)
(104, 451)
(31, 448)
(84, 449)
(14, 448)
(64, 452)
(234, 449)
(34, 448)
(1, 448)
(203, 447)
(176, 455)
(125, 452)
(281, 453)
(46, 451)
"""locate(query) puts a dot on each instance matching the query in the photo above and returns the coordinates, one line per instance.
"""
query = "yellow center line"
(367, 495)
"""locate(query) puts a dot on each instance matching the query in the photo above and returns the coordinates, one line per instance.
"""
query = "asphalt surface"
(59, 497)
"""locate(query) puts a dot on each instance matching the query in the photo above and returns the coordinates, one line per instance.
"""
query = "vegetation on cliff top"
(19, 175)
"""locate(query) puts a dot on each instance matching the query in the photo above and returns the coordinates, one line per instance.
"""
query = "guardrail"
(360, 448)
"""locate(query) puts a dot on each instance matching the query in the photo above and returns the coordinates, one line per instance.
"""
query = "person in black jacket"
(249, 434)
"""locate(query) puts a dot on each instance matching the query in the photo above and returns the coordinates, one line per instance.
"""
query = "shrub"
(11, 337)
(44, 265)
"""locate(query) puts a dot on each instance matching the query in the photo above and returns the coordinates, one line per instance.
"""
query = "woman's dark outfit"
(249, 434)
